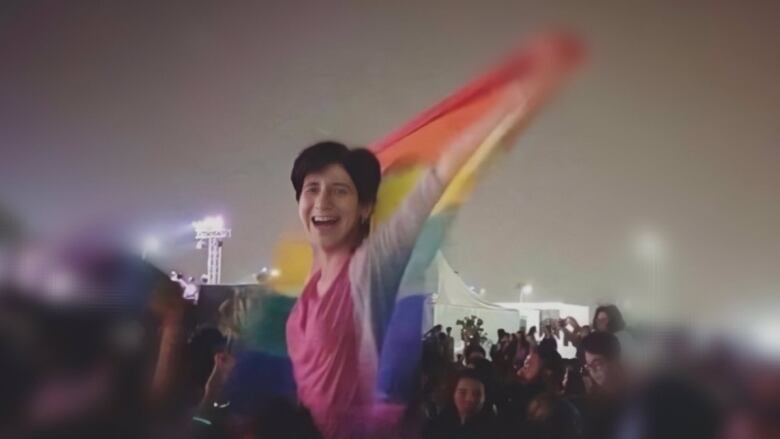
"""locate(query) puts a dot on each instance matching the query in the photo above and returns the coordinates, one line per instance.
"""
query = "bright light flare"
(269, 273)
(209, 224)
(150, 244)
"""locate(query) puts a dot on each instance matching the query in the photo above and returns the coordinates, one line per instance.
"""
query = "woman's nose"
(323, 200)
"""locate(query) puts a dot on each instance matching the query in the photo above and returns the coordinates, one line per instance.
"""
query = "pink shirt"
(322, 343)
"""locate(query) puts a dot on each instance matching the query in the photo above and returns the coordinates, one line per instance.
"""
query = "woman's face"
(329, 209)
(602, 322)
(599, 369)
(469, 397)
(531, 368)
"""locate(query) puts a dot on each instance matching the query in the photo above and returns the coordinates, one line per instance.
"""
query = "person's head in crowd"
(469, 394)
(608, 318)
(548, 344)
(602, 358)
(501, 334)
(473, 353)
(484, 368)
(532, 331)
(486, 372)
(520, 335)
(522, 350)
(546, 330)
(584, 331)
(449, 330)
(336, 189)
(543, 366)
(522, 338)
(442, 337)
(573, 384)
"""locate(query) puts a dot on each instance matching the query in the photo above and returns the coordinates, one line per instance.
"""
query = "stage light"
(210, 232)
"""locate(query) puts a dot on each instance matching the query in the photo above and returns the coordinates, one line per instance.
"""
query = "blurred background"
(658, 166)
(652, 183)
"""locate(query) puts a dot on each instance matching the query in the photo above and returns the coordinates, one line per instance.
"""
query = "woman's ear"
(366, 212)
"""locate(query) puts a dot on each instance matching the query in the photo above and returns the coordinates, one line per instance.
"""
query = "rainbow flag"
(418, 144)
(403, 155)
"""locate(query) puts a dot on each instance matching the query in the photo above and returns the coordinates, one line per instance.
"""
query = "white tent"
(454, 300)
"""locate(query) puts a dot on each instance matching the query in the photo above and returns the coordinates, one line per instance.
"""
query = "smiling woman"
(331, 331)
(336, 190)
(338, 323)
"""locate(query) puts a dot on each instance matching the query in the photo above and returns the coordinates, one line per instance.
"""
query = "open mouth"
(324, 220)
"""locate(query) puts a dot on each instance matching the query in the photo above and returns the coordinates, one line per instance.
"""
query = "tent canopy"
(454, 300)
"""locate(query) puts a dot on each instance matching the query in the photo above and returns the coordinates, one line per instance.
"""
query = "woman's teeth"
(322, 220)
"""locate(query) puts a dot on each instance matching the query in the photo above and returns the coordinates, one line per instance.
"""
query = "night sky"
(160, 112)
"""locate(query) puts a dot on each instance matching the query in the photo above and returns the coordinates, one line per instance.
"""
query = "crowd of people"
(525, 389)
(98, 369)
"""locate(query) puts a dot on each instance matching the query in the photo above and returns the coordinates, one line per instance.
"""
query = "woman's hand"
(168, 305)
(223, 366)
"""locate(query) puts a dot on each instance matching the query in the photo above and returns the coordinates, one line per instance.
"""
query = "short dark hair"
(602, 343)
(361, 165)
(548, 344)
(468, 374)
(470, 349)
(616, 322)
(553, 362)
